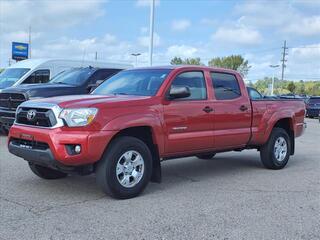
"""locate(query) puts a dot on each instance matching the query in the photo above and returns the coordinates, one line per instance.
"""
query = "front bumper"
(93, 144)
(312, 112)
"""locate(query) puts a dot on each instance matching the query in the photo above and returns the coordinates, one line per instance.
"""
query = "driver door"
(189, 124)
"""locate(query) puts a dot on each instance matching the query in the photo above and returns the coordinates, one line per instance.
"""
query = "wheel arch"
(286, 124)
(147, 135)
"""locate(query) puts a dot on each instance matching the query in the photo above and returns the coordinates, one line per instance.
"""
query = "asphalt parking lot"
(229, 197)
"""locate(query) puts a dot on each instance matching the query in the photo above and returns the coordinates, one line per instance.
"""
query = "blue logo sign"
(19, 51)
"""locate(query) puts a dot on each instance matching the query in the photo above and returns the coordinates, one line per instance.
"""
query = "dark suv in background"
(70, 82)
(313, 107)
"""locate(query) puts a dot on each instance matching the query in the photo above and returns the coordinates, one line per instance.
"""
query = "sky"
(76, 29)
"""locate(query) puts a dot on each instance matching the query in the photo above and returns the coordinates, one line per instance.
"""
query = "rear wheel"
(125, 169)
(276, 152)
(46, 173)
(206, 156)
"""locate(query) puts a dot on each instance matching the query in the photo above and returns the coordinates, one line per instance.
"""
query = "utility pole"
(152, 3)
(30, 41)
(96, 56)
(283, 60)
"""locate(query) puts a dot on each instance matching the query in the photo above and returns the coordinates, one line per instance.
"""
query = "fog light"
(77, 149)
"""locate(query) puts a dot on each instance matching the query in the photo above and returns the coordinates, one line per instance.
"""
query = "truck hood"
(41, 90)
(98, 101)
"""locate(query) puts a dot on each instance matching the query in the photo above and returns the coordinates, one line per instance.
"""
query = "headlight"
(78, 117)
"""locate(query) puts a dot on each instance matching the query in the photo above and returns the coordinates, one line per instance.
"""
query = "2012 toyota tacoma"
(139, 117)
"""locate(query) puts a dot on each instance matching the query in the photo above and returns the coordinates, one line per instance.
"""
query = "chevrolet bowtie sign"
(19, 51)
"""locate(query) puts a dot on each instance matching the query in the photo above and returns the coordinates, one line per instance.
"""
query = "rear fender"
(277, 116)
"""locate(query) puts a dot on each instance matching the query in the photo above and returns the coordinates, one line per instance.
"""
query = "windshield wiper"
(226, 89)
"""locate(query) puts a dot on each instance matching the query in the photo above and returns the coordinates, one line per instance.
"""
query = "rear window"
(225, 86)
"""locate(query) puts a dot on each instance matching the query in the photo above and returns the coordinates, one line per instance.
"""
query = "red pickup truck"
(139, 117)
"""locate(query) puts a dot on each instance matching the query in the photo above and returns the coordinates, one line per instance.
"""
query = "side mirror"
(179, 92)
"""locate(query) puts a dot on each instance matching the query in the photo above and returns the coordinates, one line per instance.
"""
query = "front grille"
(11, 100)
(29, 144)
(41, 117)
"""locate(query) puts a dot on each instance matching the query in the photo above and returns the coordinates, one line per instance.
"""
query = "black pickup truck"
(70, 82)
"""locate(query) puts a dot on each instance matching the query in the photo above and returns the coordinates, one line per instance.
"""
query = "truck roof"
(200, 67)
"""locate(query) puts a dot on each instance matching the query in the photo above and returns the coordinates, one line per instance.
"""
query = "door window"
(225, 86)
(39, 76)
(195, 82)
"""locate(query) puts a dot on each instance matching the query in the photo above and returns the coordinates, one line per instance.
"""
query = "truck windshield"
(11, 75)
(75, 76)
(140, 82)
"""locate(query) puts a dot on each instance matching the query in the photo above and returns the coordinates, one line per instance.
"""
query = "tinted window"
(254, 94)
(314, 100)
(39, 76)
(102, 74)
(225, 86)
(141, 82)
(194, 81)
(11, 75)
(75, 76)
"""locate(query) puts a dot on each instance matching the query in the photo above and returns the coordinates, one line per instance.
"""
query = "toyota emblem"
(31, 114)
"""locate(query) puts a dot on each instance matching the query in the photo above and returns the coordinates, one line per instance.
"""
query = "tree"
(235, 62)
(291, 87)
(176, 61)
(187, 61)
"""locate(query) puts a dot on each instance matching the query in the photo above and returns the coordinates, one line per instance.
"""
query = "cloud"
(144, 40)
(237, 35)
(146, 3)
(270, 16)
(180, 25)
(108, 48)
(41, 14)
(306, 26)
(48, 19)
(184, 51)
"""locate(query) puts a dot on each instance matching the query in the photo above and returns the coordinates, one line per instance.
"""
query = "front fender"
(151, 120)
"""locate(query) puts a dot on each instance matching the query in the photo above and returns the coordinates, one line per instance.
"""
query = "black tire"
(106, 168)
(206, 156)
(46, 173)
(267, 151)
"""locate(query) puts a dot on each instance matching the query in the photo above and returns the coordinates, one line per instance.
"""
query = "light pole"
(136, 55)
(152, 3)
(272, 84)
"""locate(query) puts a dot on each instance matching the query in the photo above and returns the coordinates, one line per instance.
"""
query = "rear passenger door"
(232, 112)
(188, 124)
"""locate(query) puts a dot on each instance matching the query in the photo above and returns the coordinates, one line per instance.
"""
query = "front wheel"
(276, 152)
(46, 173)
(125, 169)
